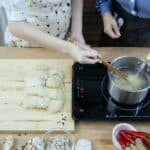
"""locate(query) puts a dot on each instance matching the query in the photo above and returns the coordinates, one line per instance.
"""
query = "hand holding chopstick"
(109, 66)
(90, 55)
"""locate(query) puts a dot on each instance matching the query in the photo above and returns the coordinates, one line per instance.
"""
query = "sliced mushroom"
(54, 82)
(36, 91)
(55, 106)
(35, 102)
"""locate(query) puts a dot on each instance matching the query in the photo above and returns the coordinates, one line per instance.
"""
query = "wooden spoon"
(108, 65)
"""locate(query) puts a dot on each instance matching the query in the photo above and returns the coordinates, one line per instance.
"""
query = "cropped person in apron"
(46, 23)
(126, 22)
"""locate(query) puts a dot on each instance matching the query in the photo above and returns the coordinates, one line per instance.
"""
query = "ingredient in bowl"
(134, 82)
(121, 141)
(136, 134)
(146, 143)
(58, 143)
(128, 139)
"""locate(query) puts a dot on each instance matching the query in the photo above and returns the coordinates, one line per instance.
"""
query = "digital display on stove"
(91, 100)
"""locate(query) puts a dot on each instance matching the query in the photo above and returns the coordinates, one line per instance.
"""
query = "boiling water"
(135, 81)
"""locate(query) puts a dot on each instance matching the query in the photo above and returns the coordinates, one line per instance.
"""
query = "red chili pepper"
(127, 137)
(146, 143)
(134, 133)
(126, 142)
(121, 141)
(145, 133)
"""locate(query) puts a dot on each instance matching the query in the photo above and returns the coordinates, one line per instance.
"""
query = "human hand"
(86, 56)
(110, 26)
(77, 37)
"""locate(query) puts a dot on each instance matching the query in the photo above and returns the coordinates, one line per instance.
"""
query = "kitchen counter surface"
(107, 53)
(98, 131)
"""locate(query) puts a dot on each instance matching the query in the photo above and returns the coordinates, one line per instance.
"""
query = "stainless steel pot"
(129, 97)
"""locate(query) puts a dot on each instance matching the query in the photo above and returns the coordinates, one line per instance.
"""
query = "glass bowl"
(60, 138)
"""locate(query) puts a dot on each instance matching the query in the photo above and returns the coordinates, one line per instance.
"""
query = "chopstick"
(115, 70)
(108, 65)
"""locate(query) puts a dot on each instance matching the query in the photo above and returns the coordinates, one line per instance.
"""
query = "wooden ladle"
(108, 65)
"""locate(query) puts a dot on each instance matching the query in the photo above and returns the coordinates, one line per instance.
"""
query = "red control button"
(82, 90)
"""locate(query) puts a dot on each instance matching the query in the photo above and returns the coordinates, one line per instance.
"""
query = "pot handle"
(148, 66)
(144, 65)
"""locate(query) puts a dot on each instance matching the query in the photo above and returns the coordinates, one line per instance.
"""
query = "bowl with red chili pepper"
(117, 139)
(126, 137)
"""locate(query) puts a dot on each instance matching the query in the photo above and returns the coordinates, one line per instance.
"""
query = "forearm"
(34, 35)
(77, 15)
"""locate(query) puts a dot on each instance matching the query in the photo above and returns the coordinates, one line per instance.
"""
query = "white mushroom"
(35, 91)
(55, 106)
(54, 82)
(35, 102)
(9, 143)
(34, 81)
(36, 78)
(56, 94)
(56, 72)
(42, 67)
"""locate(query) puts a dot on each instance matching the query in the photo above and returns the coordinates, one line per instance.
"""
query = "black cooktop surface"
(91, 100)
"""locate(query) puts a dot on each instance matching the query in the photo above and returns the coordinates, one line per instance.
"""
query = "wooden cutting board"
(12, 116)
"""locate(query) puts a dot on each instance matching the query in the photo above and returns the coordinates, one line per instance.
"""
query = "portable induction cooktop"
(91, 100)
